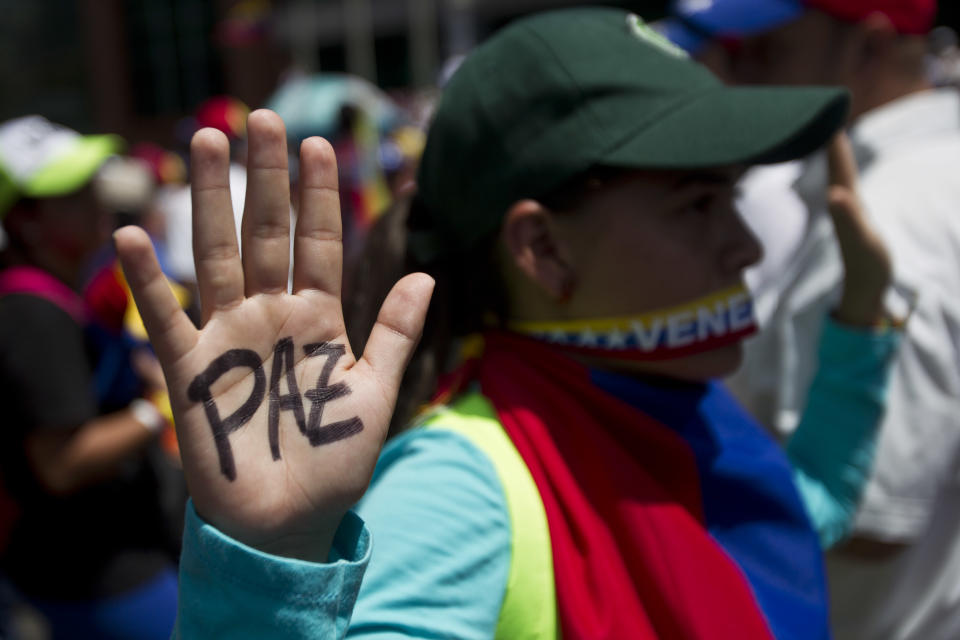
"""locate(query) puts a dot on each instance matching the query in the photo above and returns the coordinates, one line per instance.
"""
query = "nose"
(740, 248)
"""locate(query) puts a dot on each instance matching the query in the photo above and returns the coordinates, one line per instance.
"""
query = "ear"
(532, 244)
(875, 35)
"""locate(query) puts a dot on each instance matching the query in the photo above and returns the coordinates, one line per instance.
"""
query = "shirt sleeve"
(230, 590)
(44, 365)
(832, 449)
(438, 567)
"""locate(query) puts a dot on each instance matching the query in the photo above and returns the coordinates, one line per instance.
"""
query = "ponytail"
(468, 297)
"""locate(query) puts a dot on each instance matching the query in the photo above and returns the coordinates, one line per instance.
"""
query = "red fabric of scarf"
(632, 558)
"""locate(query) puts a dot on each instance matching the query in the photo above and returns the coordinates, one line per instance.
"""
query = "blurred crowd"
(88, 429)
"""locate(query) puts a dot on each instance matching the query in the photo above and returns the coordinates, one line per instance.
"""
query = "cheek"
(804, 65)
(781, 65)
(80, 234)
(70, 243)
(636, 272)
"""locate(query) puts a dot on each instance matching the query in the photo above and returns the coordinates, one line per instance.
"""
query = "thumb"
(843, 200)
(398, 329)
(171, 332)
(866, 260)
(860, 245)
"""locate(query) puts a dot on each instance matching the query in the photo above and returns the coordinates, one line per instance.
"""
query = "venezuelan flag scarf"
(671, 514)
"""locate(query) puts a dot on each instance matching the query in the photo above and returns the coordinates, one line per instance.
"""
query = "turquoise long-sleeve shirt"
(436, 568)
(432, 559)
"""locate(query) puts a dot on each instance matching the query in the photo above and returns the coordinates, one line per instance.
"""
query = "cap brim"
(736, 126)
(73, 169)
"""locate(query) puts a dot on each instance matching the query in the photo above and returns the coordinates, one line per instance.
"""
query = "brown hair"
(468, 294)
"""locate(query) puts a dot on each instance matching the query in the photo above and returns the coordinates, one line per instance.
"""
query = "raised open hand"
(868, 269)
(279, 424)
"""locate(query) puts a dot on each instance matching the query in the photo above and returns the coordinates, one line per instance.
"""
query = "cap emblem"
(642, 31)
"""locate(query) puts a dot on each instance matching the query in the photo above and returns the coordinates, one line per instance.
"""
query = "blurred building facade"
(137, 67)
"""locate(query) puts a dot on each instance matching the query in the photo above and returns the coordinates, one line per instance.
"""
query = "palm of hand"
(279, 425)
(258, 456)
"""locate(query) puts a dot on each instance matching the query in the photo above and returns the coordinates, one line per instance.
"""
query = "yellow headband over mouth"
(701, 325)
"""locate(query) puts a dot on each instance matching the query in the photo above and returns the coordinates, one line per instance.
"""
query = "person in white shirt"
(899, 574)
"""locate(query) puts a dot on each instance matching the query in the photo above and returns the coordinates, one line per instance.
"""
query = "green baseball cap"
(555, 94)
(39, 159)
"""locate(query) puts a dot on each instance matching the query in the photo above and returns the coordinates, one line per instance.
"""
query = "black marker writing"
(199, 391)
(323, 393)
(283, 369)
(283, 364)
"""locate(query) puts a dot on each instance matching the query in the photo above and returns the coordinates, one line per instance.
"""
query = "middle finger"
(265, 230)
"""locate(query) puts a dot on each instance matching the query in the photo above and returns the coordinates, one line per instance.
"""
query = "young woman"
(578, 472)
